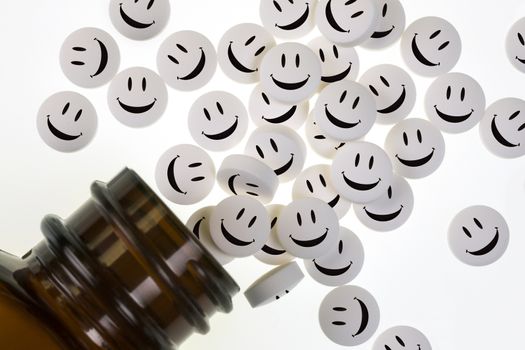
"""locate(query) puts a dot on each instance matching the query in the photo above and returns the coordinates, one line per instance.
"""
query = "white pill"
(391, 210)
(245, 175)
(502, 128)
(361, 172)
(402, 337)
(348, 23)
(185, 174)
(186, 60)
(394, 92)
(389, 27)
(240, 226)
(290, 72)
(137, 97)
(431, 46)
(199, 225)
(478, 235)
(241, 50)
(341, 264)
(279, 147)
(288, 19)
(515, 45)
(349, 315)
(308, 228)
(67, 121)
(218, 121)
(89, 57)
(345, 110)
(265, 110)
(316, 181)
(321, 143)
(139, 20)
(416, 148)
(273, 252)
(274, 284)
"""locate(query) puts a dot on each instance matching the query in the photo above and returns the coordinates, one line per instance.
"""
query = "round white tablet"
(239, 226)
(186, 60)
(288, 19)
(67, 121)
(308, 228)
(389, 27)
(349, 315)
(139, 20)
(273, 252)
(274, 284)
(218, 121)
(89, 57)
(185, 174)
(341, 264)
(320, 142)
(401, 337)
(515, 45)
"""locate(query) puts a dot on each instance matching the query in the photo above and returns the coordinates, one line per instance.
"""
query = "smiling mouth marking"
(286, 167)
(226, 133)
(337, 77)
(488, 248)
(236, 63)
(417, 162)
(290, 86)
(359, 186)
(419, 56)
(272, 251)
(396, 105)
(130, 21)
(379, 35)
(282, 118)
(383, 217)
(136, 110)
(171, 177)
(103, 58)
(334, 201)
(332, 272)
(364, 318)
(59, 134)
(521, 60)
(312, 242)
(453, 118)
(297, 23)
(338, 122)
(499, 137)
(198, 69)
(232, 239)
(331, 19)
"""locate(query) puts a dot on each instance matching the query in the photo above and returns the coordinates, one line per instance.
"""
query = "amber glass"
(122, 272)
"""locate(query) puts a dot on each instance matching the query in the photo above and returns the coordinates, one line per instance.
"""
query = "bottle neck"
(123, 272)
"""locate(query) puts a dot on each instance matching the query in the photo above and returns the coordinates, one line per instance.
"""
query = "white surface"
(411, 271)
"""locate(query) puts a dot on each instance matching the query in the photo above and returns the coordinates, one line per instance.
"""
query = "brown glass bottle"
(122, 272)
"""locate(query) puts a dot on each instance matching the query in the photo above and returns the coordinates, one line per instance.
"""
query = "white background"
(411, 272)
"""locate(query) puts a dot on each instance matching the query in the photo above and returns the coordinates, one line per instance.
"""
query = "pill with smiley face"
(394, 92)
(273, 252)
(67, 121)
(139, 19)
(401, 338)
(455, 102)
(290, 72)
(502, 128)
(137, 97)
(218, 121)
(341, 264)
(186, 60)
(320, 142)
(478, 235)
(288, 19)
(337, 62)
(89, 57)
(431, 46)
(241, 50)
(308, 228)
(416, 147)
(361, 172)
(240, 226)
(349, 315)
(316, 182)
(347, 22)
(515, 45)
(391, 210)
(185, 174)
(389, 27)
(266, 110)
(345, 110)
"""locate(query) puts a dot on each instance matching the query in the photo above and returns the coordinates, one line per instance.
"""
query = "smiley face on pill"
(139, 19)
